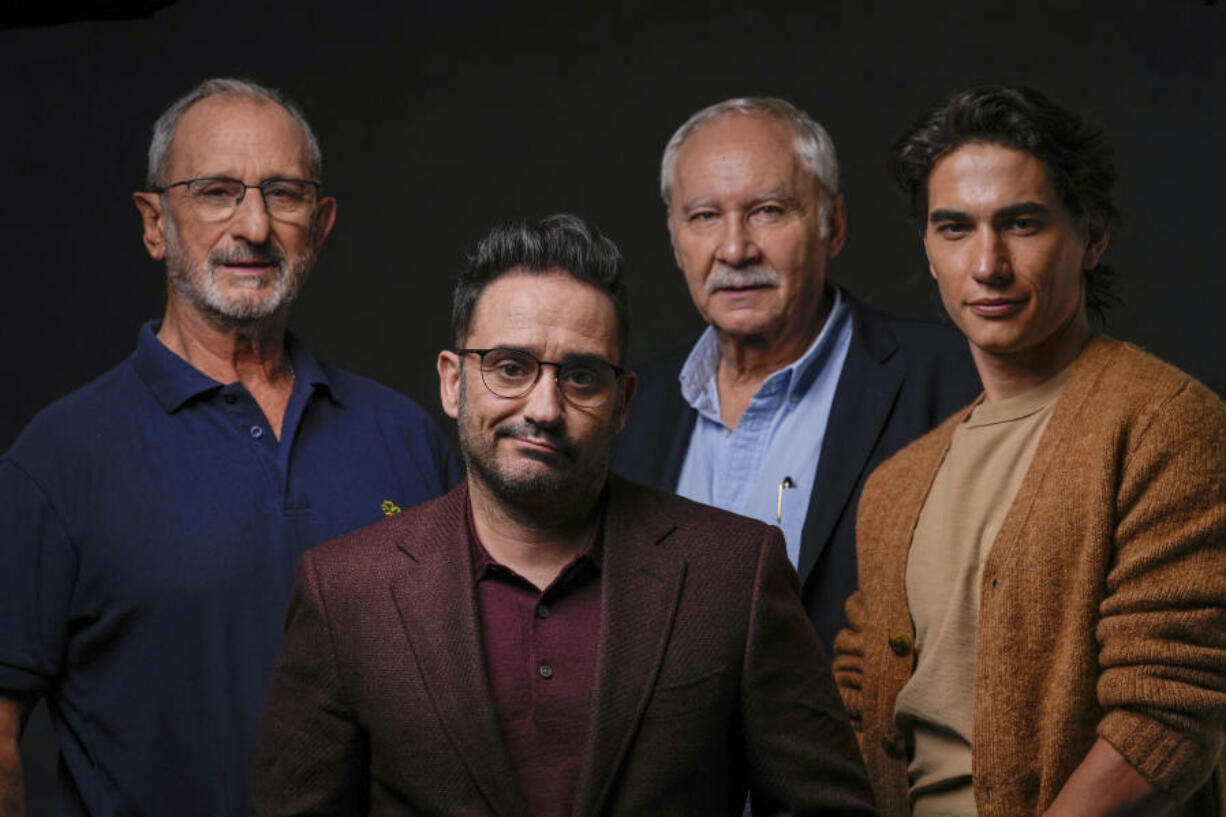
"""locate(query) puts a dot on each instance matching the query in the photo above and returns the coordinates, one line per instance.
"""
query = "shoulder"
(689, 524)
(363, 393)
(660, 374)
(1120, 385)
(365, 551)
(917, 338)
(911, 465)
(73, 425)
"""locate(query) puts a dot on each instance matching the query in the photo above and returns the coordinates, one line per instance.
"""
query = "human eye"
(581, 376)
(215, 189)
(508, 365)
(283, 191)
(951, 229)
(768, 212)
(702, 216)
(1025, 225)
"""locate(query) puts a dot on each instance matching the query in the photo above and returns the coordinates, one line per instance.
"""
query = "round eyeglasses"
(585, 382)
(217, 198)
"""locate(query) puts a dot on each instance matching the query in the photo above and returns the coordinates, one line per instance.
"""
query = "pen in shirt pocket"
(786, 483)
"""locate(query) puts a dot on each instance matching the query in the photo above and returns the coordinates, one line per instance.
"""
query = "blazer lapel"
(863, 401)
(436, 597)
(640, 589)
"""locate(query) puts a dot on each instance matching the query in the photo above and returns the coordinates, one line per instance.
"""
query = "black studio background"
(439, 119)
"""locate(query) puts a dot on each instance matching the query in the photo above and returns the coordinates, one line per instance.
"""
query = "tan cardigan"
(1103, 603)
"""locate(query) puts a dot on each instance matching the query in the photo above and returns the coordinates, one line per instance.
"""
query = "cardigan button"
(900, 643)
(894, 744)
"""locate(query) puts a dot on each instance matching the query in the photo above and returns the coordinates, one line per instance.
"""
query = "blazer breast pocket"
(683, 697)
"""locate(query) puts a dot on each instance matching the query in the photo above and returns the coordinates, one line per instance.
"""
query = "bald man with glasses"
(152, 520)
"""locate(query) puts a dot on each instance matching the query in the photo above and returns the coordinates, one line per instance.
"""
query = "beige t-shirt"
(970, 495)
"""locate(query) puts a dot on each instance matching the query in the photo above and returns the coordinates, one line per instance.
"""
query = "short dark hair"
(559, 242)
(1078, 160)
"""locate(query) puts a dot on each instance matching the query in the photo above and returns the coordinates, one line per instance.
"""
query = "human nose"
(990, 258)
(250, 220)
(737, 246)
(544, 406)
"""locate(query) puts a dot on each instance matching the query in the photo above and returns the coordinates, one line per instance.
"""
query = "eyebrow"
(774, 194)
(567, 358)
(1026, 208)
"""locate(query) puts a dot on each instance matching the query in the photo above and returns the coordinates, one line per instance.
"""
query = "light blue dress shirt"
(778, 439)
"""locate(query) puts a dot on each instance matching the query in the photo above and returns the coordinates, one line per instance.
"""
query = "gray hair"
(164, 127)
(814, 147)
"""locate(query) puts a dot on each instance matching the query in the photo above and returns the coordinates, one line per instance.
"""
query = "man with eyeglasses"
(549, 639)
(152, 520)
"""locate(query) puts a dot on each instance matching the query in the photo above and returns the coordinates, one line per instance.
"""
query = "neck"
(227, 351)
(750, 358)
(534, 543)
(1008, 375)
(746, 361)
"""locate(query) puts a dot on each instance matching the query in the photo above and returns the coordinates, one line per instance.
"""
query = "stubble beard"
(553, 494)
(197, 283)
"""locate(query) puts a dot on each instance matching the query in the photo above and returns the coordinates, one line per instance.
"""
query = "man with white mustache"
(796, 390)
(152, 520)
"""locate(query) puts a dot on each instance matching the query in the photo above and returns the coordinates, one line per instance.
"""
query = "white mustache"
(729, 277)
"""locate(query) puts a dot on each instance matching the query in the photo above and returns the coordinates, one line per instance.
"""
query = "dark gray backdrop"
(438, 119)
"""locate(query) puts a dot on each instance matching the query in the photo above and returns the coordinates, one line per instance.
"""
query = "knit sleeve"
(849, 659)
(1162, 630)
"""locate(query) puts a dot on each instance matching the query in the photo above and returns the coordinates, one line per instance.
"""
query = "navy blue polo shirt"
(150, 525)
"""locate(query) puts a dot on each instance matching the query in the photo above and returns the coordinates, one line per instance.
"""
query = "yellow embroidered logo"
(390, 508)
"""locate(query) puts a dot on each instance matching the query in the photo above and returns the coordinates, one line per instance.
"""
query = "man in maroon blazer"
(549, 639)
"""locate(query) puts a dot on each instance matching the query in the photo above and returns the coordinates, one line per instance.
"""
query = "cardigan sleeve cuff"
(1174, 762)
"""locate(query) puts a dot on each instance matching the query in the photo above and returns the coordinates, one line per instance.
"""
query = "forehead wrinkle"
(227, 135)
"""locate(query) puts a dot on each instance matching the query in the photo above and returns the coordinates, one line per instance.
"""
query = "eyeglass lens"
(219, 198)
(512, 373)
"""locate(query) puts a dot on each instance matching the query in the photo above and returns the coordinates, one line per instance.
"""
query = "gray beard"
(198, 284)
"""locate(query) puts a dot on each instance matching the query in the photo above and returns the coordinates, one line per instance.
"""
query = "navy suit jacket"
(900, 379)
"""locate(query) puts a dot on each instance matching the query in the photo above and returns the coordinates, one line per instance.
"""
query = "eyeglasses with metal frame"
(585, 382)
(218, 197)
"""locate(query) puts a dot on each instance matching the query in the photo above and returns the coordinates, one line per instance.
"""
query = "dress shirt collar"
(484, 565)
(792, 382)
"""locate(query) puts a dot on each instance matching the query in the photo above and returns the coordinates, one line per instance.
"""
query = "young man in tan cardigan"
(1040, 627)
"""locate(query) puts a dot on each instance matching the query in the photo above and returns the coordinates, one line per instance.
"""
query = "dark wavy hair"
(1079, 162)
(558, 242)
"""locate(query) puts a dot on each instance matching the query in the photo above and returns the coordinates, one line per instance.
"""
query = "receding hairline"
(811, 143)
(240, 98)
(788, 137)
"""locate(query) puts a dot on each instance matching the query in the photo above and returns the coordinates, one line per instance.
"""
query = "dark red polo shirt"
(540, 651)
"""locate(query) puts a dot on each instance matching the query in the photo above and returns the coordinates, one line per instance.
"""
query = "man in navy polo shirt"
(150, 522)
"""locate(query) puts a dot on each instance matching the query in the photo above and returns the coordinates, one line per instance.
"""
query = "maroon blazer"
(710, 681)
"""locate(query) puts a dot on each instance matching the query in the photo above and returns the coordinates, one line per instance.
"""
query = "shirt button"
(795, 398)
(726, 431)
(545, 670)
(542, 611)
(229, 398)
(256, 432)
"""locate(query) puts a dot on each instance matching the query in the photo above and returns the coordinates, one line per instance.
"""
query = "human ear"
(153, 222)
(449, 382)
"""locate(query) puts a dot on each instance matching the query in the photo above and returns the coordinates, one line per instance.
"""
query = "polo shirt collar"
(698, 385)
(174, 381)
